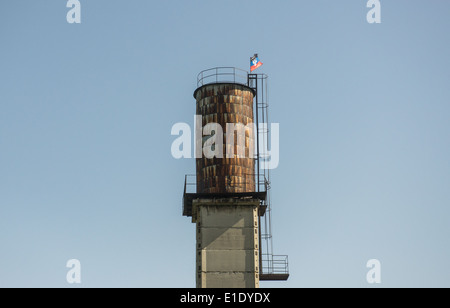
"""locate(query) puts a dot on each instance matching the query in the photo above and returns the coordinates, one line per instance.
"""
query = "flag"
(255, 63)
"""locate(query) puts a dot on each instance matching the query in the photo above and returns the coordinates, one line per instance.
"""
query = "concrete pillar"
(227, 243)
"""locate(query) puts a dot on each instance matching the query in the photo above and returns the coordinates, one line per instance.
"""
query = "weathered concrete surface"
(227, 243)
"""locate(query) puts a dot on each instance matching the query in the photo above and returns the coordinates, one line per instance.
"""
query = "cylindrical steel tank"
(224, 103)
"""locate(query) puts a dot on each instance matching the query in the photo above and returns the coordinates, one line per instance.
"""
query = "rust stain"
(222, 104)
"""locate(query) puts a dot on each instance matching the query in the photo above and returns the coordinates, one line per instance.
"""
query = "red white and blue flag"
(255, 63)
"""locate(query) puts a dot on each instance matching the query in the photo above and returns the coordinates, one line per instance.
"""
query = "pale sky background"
(86, 112)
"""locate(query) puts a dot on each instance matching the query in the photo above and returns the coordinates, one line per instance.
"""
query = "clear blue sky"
(86, 112)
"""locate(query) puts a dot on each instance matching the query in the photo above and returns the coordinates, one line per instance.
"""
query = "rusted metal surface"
(224, 103)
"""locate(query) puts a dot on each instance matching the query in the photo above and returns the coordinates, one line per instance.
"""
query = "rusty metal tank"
(222, 103)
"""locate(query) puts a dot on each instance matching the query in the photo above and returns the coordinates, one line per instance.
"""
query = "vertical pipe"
(257, 129)
(260, 248)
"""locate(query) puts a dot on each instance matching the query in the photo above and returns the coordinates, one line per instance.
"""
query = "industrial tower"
(229, 198)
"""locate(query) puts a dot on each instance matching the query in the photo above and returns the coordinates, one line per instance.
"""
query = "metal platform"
(189, 195)
(274, 277)
(274, 267)
(188, 198)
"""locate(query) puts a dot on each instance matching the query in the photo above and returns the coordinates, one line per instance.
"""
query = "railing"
(190, 184)
(222, 74)
(275, 264)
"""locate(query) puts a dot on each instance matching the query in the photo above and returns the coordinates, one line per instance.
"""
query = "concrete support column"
(227, 246)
